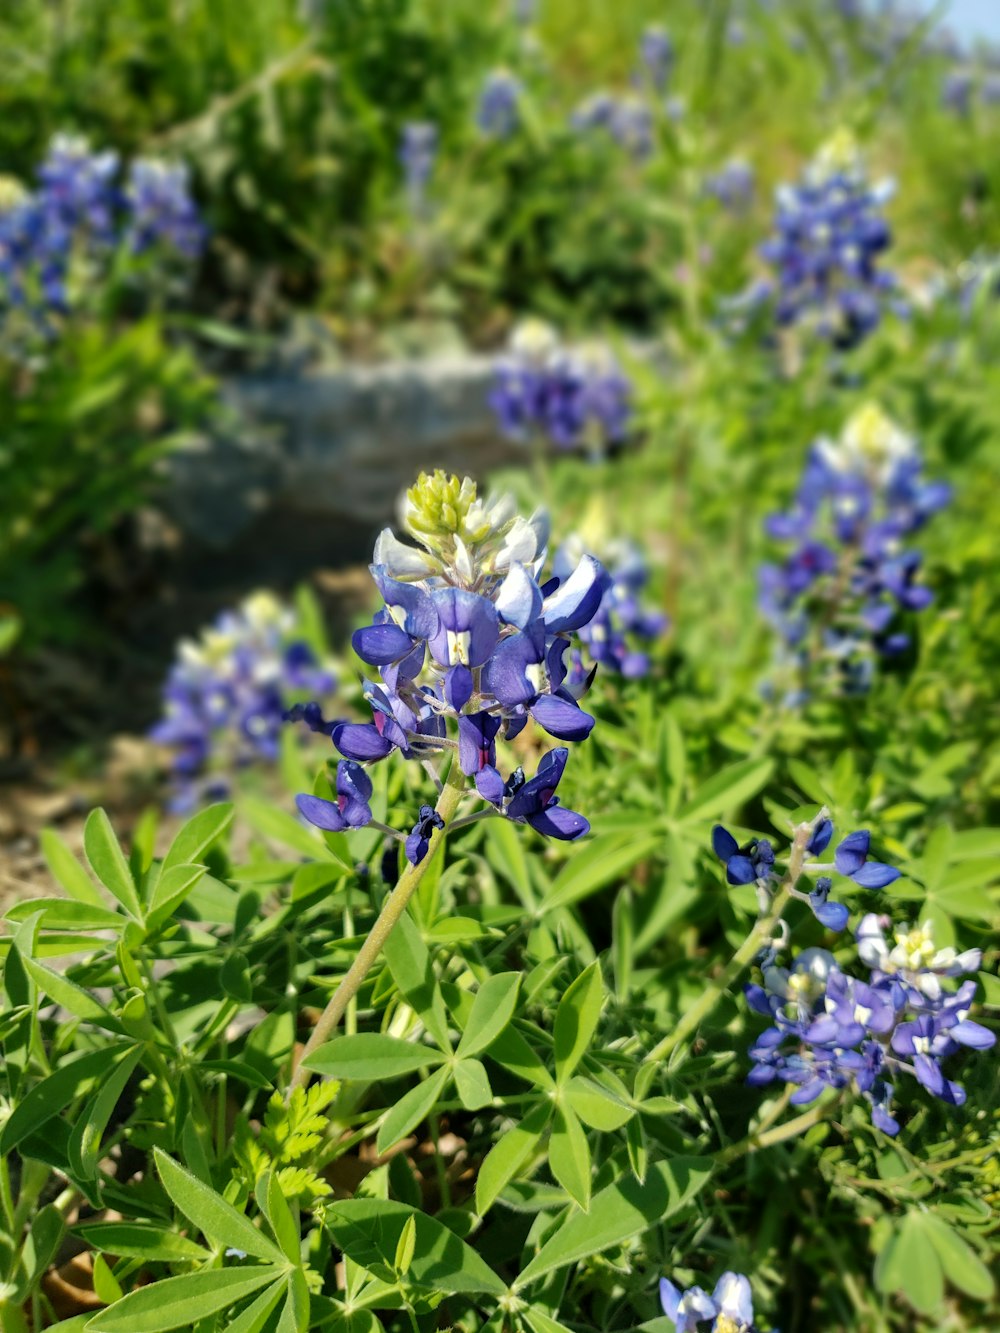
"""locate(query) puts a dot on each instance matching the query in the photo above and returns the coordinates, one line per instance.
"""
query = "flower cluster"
(627, 119)
(834, 1030)
(732, 185)
(617, 636)
(498, 115)
(656, 57)
(830, 235)
(836, 598)
(577, 398)
(418, 147)
(730, 1306)
(226, 695)
(80, 211)
(754, 863)
(470, 643)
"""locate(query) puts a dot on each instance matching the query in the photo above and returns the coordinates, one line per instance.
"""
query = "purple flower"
(747, 864)
(418, 841)
(851, 859)
(350, 809)
(534, 802)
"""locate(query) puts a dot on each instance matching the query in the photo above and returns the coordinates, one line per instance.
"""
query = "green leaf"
(473, 1084)
(576, 1020)
(40, 1246)
(85, 1136)
(279, 1216)
(595, 1106)
(196, 836)
(509, 1153)
(619, 1212)
(962, 1266)
(492, 1010)
(180, 1302)
(727, 790)
(108, 863)
(68, 870)
(599, 862)
(369, 1231)
(638, 1151)
(211, 1214)
(138, 1240)
(295, 1315)
(65, 914)
(512, 1051)
(106, 1285)
(73, 998)
(540, 1322)
(234, 978)
(405, 1247)
(172, 887)
(412, 1108)
(569, 1156)
(409, 963)
(370, 1057)
(908, 1264)
(255, 1316)
(54, 1094)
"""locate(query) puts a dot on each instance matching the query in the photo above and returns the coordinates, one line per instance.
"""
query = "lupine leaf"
(195, 837)
(107, 861)
(569, 1155)
(576, 1020)
(180, 1302)
(211, 1214)
(492, 1010)
(618, 1213)
(371, 1056)
(509, 1153)
(412, 1108)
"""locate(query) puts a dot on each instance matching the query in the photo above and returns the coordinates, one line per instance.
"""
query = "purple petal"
(739, 870)
(324, 814)
(557, 822)
(489, 784)
(467, 630)
(381, 644)
(875, 875)
(972, 1034)
(850, 854)
(361, 740)
(561, 717)
(833, 915)
(506, 675)
(723, 843)
(820, 839)
(928, 1073)
(458, 687)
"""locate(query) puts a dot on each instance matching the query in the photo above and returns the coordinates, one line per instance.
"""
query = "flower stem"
(789, 1130)
(392, 910)
(717, 986)
(744, 955)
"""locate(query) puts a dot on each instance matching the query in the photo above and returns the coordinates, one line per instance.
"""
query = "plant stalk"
(392, 910)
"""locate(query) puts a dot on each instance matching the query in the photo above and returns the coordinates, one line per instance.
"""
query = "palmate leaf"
(618, 1213)
(369, 1232)
(211, 1214)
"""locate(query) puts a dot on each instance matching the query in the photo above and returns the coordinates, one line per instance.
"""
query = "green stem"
(719, 985)
(789, 1130)
(760, 935)
(392, 910)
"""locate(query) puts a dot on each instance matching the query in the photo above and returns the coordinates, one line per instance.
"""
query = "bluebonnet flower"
(418, 842)
(627, 120)
(754, 863)
(53, 239)
(350, 808)
(470, 640)
(498, 114)
(656, 57)
(228, 693)
(732, 185)
(162, 210)
(418, 147)
(730, 1305)
(830, 234)
(613, 639)
(956, 91)
(836, 598)
(833, 1030)
(575, 398)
